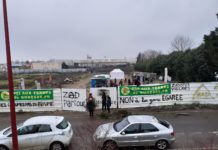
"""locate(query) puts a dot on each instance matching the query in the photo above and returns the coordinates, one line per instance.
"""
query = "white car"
(135, 130)
(41, 132)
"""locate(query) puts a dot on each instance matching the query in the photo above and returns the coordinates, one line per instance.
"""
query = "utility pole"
(10, 79)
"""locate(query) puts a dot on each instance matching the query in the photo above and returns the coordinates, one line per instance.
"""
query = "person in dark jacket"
(108, 103)
(91, 105)
(103, 98)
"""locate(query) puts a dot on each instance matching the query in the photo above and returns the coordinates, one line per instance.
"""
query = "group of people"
(115, 83)
(106, 103)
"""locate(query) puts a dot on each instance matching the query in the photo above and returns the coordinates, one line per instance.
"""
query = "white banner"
(35, 105)
(97, 93)
(181, 93)
(74, 99)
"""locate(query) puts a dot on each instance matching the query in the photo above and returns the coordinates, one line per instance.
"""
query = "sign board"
(74, 99)
(32, 100)
(169, 94)
(27, 95)
(97, 94)
(145, 90)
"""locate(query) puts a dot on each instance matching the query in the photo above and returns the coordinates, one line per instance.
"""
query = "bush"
(104, 115)
(122, 113)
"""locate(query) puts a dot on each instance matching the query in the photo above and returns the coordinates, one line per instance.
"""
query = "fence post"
(117, 89)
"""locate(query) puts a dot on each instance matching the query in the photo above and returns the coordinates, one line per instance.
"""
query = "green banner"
(145, 90)
(27, 95)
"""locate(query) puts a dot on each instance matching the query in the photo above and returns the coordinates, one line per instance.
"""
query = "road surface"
(194, 129)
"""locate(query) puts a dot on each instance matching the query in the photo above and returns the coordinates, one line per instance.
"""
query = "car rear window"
(164, 123)
(62, 125)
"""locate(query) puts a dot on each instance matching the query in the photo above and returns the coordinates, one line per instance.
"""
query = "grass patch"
(104, 115)
(119, 114)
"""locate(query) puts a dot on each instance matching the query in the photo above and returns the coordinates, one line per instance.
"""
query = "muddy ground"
(194, 129)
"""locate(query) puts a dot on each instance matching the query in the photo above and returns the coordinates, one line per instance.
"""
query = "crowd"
(115, 83)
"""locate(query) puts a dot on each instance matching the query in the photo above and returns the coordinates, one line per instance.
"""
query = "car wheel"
(162, 144)
(110, 145)
(2, 147)
(56, 146)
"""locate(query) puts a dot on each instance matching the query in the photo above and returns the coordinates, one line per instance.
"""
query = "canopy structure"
(117, 74)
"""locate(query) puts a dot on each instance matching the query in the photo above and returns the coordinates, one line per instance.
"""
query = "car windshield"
(118, 126)
(8, 130)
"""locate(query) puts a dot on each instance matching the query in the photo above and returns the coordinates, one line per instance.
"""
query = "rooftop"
(141, 119)
(44, 120)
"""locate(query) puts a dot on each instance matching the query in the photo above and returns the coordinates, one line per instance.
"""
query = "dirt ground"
(81, 84)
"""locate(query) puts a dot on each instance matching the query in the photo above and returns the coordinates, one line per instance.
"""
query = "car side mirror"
(123, 133)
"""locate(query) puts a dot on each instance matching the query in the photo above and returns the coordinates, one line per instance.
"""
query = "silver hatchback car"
(41, 132)
(135, 130)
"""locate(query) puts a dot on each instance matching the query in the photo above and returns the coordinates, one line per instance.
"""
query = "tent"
(117, 74)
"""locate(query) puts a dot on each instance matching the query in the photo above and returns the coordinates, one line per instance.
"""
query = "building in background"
(3, 67)
(98, 63)
(49, 65)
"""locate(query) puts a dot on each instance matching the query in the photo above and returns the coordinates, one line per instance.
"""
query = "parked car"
(41, 132)
(135, 130)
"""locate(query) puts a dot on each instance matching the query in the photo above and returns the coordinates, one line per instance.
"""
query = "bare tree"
(149, 54)
(181, 43)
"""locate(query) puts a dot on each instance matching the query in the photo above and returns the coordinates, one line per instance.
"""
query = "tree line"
(184, 64)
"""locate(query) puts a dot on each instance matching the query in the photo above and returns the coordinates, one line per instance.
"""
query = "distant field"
(54, 80)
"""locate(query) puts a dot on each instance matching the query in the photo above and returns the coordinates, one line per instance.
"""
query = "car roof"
(44, 120)
(142, 119)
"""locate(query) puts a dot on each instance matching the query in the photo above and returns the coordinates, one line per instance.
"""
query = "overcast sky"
(73, 29)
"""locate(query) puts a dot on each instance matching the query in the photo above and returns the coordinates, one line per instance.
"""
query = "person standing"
(121, 83)
(103, 98)
(91, 105)
(108, 103)
(129, 82)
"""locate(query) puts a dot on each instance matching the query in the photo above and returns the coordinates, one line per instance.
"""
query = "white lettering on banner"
(74, 99)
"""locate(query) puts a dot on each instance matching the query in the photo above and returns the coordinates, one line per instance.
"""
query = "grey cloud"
(69, 29)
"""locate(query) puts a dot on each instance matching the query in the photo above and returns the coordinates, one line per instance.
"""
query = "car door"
(148, 134)
(46, 135)
(129, 136)
(28, 137)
